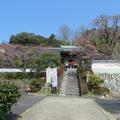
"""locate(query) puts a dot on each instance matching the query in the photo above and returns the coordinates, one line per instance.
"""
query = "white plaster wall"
(102, 66)
(2, 70)
(110, 72)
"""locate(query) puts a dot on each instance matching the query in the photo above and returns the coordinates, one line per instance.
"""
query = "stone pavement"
(25, 102)
(66, 108)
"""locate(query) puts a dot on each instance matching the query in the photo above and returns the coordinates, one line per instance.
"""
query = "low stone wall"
(111, 81)
(109, 70)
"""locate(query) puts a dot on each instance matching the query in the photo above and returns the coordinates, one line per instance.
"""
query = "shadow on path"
(25, 102)
(12, 116)
(112, 106)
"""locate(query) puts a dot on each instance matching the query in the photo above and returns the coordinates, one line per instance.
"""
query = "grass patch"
(45, 92)
(90, 94)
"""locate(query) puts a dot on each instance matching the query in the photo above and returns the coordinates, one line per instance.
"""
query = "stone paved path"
(66, 108)
(25, 102)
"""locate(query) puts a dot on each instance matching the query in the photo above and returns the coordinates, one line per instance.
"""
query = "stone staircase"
(69, 85)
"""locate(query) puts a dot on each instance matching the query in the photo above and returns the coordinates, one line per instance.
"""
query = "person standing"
(54, 79)
(48, 77)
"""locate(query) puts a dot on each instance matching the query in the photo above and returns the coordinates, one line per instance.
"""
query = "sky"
(45, 17)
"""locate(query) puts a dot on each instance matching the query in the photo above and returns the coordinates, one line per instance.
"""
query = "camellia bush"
(9, 94)
(95, 81)
(94, 85)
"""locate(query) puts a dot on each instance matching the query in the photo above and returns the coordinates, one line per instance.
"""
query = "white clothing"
(54, 77)
(48, 75)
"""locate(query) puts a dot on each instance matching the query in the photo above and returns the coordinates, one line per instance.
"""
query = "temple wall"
(110, 72)
(3, 70)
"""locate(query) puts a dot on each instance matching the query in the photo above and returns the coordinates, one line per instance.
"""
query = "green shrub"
(11, 75)
(36, 84)
(94, 81)
(20, 75)
(101, 91)
(17, 75)
(9, 94)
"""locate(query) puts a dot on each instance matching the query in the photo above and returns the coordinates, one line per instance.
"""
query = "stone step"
(60, 94)
(63, 94)
(72, 90)
(72, 86)
(69, 94)
(62, 90)
(69, 85)
(69, 90)
(63, 84)
(72, 82)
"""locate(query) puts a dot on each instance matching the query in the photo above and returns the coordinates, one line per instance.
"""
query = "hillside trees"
(65, 34)
(86, 48)
(18, 56)
(25, 38)
(107, 33)
(41, 62)
(116, 52)
(104, 34)
(52, 41)
(23, 57)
